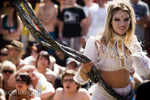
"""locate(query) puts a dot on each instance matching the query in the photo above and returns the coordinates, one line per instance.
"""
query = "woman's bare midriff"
(116, 79)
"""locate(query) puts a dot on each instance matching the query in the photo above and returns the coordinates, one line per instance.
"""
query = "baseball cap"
(69, 60)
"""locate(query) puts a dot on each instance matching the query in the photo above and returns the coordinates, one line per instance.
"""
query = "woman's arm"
(2, 31)
(91, 52)
(141, 62)
(20, 26)
(85, 69)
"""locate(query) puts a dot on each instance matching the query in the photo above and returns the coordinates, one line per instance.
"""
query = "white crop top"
(108, 59)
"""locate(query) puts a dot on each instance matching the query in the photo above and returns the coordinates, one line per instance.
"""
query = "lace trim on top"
(113, 56)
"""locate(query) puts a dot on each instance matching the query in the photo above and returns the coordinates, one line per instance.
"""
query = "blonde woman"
(114, 53)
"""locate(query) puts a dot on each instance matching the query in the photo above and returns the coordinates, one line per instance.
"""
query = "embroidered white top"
(115, 56)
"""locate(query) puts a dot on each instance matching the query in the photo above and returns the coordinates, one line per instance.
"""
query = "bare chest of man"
(75, 97)
(48, 13)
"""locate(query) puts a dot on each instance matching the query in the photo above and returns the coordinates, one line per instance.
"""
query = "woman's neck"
(118, 38)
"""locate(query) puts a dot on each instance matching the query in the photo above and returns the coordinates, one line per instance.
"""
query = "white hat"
(69, 60)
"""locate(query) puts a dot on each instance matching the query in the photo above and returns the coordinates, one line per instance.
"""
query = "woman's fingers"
(87, 67)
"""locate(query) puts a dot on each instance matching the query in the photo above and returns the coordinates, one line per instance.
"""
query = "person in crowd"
(8, 69)
(142, 92)
(71, 90)
(147, 32)
(39, 82)
(1, 77)
(47, 13)
(42, 64)
(57, 70)
(72, 24)
(72, 64)
(141, 10)
(114, 53)
(48, 67)
(2, 94)
(15, 53)
(96, 13)
(10, 26)
(35, 50)
(54, 67)
(3, 54)
(60, 58)
(23, 91)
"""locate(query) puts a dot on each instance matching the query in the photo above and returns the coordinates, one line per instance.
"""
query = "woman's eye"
(116, 19)
(126, 19)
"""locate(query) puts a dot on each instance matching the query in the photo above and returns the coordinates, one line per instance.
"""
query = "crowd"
(113, 34)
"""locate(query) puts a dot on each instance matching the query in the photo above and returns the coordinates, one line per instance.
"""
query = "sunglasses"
(3, 54)
(20, 81)
(8, 71)
(68, 80)
(23, 79)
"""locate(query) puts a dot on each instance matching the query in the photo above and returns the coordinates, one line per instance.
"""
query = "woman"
(114, 52)
(10, 26)
(3, 54)
(7, 69)
(22, 90)
(15, 53)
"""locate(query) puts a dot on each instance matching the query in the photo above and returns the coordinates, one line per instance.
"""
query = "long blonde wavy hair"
(112, 7)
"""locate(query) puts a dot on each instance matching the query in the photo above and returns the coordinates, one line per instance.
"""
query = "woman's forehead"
(121, 13)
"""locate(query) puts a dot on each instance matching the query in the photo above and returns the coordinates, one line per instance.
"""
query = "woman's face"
(42, 62)
(120, 22)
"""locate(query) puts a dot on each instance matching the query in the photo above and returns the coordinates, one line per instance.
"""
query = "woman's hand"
(85, 68)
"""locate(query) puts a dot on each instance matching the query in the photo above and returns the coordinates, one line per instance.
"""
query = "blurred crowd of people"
(29, 71)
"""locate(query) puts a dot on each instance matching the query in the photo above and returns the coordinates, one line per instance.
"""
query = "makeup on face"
(120, 22)
(118, 19)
